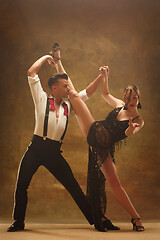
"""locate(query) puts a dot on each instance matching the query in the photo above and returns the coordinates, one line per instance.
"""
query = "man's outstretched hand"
(104, 71)
(51, 62)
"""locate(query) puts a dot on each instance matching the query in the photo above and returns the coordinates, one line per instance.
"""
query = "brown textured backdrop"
(123, 34)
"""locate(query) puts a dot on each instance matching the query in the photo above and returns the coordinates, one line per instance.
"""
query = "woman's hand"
(133, 125)
(104, 71)
(133, 128)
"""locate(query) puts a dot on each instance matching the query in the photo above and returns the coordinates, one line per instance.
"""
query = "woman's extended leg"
(109, 170)
(82, 112)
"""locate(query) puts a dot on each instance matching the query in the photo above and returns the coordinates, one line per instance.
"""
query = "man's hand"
(51, 62)
(47, 58)
(104, 71)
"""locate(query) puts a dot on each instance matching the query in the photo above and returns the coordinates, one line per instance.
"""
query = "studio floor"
(52, 231)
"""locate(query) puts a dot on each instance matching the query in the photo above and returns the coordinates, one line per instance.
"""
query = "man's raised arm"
(33, 79)
(34, 69)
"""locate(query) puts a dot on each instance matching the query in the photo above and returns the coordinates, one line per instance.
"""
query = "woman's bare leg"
(84, 117)
(83, 114)
(60, 68)
(109, 170)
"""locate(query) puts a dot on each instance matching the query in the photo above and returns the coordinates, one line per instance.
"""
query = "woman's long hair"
(130, 88)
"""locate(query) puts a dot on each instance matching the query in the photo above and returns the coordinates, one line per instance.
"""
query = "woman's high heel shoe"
(55, 48)
(135, 227)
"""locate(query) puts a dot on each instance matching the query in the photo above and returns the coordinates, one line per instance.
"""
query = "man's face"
(61, 90)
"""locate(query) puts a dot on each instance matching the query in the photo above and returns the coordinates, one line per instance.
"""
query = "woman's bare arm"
(134, 127)
(112, 101)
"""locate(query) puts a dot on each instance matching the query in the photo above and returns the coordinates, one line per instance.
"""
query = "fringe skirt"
(99, 148)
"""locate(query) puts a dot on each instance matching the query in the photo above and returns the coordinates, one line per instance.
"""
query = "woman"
(102, 136)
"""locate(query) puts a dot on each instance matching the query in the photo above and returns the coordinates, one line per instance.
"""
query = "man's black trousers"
(47, 153)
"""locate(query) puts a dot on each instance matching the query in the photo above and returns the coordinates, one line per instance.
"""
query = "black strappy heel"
(135, 227)
(55, 48)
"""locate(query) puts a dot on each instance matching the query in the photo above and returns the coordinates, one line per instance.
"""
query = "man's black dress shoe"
(108, 224)
(16, 226)
(100, 227)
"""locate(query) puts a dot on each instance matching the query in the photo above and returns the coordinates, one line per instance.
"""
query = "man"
(51, 115)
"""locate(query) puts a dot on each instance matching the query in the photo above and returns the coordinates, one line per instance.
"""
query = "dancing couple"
(52, 114)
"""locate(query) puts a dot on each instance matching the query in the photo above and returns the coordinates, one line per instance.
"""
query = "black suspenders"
(65, 128)
(45, 128)
(46, 121)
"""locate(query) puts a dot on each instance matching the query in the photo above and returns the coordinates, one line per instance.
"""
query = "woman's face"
(131, 100)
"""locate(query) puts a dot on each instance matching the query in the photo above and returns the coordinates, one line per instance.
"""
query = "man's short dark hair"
(53, 80)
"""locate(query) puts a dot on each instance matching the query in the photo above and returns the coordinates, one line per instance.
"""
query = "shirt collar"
(63, 100)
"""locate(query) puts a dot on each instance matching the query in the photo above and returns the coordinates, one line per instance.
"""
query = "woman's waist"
(117, 133)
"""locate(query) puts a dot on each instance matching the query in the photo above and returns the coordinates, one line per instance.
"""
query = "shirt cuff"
(83, 95)
(34, 79)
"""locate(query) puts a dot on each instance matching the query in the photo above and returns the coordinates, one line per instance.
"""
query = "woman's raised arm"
(112, 101)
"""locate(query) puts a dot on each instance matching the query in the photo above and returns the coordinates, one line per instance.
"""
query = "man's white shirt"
(55, 128)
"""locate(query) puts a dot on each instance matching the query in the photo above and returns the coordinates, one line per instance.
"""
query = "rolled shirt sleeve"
(34, 79)
(36, 88)
(83, 95)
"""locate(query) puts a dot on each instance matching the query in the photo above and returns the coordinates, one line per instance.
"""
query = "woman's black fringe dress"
(102, 138)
